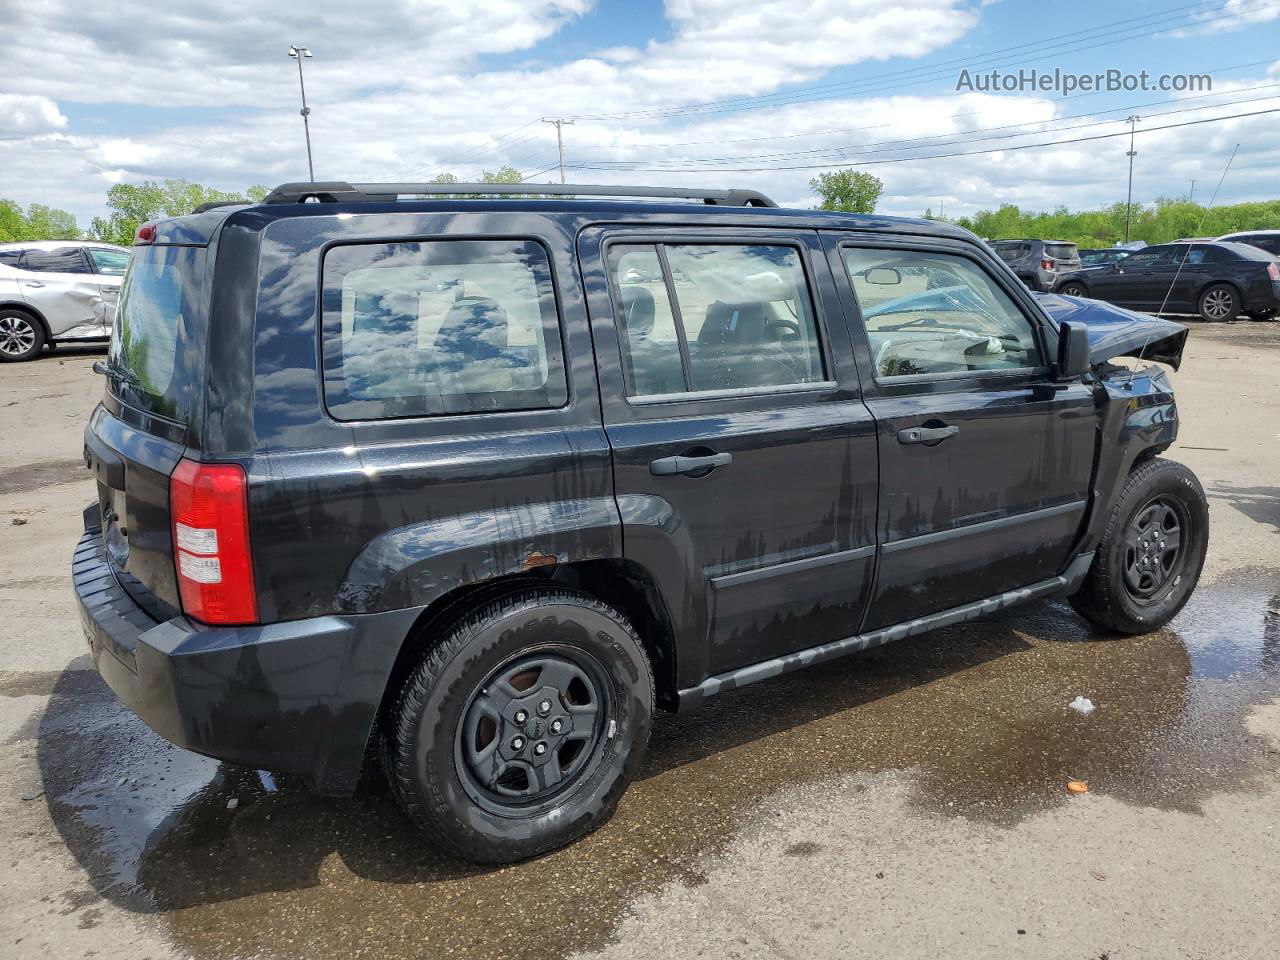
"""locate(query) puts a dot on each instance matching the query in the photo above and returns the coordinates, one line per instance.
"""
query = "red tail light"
(1046, 264)
(146, 234)
(1274, 272)
(209, 503)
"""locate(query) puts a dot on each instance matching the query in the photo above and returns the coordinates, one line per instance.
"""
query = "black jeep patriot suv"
(468, 484)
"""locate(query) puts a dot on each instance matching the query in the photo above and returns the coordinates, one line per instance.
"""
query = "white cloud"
(403, 95)
(29, 115)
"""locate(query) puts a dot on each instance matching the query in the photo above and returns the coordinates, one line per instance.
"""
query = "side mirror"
(1073, 350)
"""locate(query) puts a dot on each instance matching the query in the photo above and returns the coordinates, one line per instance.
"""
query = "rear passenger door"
(744, 458)
(985, 462)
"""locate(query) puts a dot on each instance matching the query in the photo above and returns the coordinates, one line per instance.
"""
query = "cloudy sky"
(705, 92)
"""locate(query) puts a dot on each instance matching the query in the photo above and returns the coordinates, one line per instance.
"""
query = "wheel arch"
(623, 584)
(23, 307)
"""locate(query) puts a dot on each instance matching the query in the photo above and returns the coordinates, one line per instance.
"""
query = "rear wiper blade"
(115, 372)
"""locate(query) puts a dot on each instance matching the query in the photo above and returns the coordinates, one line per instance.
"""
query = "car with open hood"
(465, 481)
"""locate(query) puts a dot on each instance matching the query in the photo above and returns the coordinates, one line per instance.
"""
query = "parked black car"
(450, 482)
(1038, 263)
(1217, 280)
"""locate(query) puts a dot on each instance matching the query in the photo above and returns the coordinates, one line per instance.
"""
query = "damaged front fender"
(1117, 332)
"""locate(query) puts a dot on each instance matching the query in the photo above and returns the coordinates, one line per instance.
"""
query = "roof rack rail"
(215, 204)
(336, 191)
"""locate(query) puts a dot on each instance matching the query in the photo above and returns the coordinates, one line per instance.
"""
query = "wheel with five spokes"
(1151, 553)
(521, 728)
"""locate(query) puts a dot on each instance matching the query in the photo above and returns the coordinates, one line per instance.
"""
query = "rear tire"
(22, 336)
(1151, 553)
(521, 729)
(1219, 303)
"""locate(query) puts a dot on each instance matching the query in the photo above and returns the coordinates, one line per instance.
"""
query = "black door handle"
(926, 434)
(671, 466)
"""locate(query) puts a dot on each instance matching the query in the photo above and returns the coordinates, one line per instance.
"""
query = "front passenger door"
(985, 462)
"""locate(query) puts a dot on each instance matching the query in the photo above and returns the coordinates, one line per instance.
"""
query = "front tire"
(1151, 553)
(1073, 289)
(1219, 303)
(21, 336)
(521, 729)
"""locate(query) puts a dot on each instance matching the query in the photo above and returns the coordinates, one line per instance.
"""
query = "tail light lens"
(209, 504)
(145, 234)
(1046, 264)
(1273, 272)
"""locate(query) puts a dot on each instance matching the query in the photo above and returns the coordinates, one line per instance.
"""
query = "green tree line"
(131, 205)
(1161, 222)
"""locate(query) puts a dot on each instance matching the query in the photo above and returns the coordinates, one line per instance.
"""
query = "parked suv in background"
(1038, 263)
(471, 484)
(1217, 280)
(54, 290)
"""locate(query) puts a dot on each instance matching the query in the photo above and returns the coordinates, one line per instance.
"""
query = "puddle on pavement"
(977, 712)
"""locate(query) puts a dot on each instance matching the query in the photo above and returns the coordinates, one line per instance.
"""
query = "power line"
(895, 146)
(941, 156)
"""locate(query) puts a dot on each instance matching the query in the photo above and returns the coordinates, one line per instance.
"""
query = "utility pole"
(1128, 204)
(299, 54)
(1192, 195)
(558, 123)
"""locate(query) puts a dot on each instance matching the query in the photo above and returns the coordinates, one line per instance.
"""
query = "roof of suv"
(611, 202)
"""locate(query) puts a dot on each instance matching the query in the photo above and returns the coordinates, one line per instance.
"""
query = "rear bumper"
(298, 697)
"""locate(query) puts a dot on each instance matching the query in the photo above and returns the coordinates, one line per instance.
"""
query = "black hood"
(1117, 332)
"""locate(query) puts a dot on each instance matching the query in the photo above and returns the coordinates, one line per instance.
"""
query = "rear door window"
(714, 317)
(59, 260)
(1010, 251)
(425, 328)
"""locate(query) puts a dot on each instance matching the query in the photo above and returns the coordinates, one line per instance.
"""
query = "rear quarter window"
(426, 328)
(1008, 252)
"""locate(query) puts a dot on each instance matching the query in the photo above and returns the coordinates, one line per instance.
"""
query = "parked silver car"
(57, 290)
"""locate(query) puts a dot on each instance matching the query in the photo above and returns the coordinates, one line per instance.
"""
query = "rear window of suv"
(423, 328)
(157, 337)
(1062, 251)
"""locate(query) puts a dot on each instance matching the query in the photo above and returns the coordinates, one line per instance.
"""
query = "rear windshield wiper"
(114, 371)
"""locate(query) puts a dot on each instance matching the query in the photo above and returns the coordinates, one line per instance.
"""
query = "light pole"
(1128, 204)
(300, 54)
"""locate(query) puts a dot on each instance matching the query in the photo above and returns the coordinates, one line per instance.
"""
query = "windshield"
(161, 312)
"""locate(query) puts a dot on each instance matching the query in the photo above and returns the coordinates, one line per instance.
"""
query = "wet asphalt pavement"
(964, 733)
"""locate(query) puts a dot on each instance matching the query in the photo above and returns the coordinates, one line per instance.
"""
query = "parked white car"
(57, 290)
